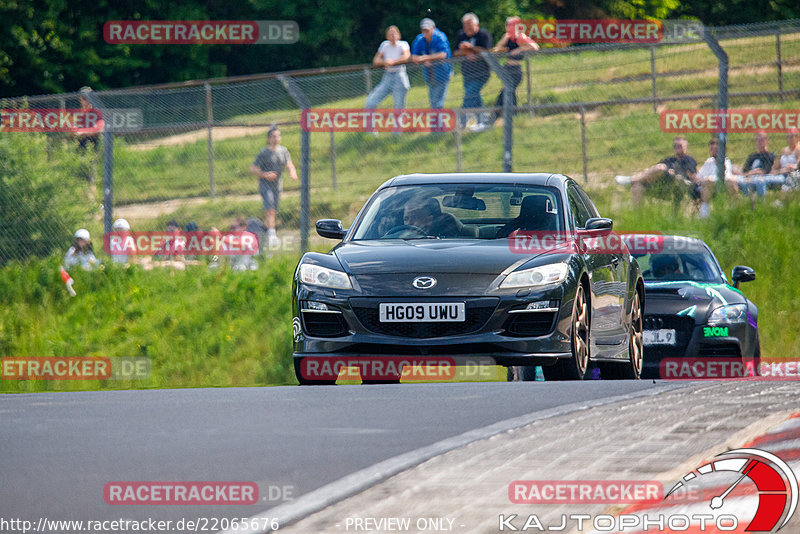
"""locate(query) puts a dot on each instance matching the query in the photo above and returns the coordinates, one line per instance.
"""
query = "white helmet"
(121, 224)
(83, 233)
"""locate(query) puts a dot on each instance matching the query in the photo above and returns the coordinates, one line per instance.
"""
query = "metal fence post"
(722, 104)
(305, 159)
(108, 181)
(458, 150)
(780, 63)
(528, 82)
(333, 161)
(367, 79)
(108, 165)
(210, 120)
(653, 75)
(583, 146)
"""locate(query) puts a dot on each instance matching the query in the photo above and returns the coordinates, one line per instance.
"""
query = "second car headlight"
(322, 276)
(732, 313)
(553, 273)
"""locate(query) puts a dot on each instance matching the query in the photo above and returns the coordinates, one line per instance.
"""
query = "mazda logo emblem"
(424, 282)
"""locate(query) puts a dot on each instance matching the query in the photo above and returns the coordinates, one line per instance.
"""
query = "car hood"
(430, 256)
(693, 299)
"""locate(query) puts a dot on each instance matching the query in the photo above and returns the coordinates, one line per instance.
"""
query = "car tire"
(521, 373)
(757, 356)
(303, 381)
(577, 367)
(632, 368)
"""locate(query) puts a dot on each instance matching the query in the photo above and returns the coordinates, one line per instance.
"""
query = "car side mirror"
(742, 273)
(331, 228)
(597, 227)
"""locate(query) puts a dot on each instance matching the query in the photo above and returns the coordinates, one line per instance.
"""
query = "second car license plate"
(665, 336)
(428, 312)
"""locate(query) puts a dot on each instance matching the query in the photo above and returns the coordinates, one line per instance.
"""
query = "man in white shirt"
(392, 53)
(707, 177)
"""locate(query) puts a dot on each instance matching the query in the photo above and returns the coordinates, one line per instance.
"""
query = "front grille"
(530, 324)
(718, 350)
(324, 324)
(477, 313)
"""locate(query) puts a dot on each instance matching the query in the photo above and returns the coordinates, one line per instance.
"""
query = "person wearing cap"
(428, 46)
(121, 227)
(81, 252)
(470, 41)
(268, 166)
(391, 55)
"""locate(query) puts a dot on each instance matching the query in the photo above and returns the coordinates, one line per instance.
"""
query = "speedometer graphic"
(774, 484)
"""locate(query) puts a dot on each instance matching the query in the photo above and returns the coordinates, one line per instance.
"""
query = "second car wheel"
(576, 367)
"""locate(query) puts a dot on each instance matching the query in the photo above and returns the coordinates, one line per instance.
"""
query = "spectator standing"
(86, 137)
(81, 252)
(392, 53)
(515, 42)
(268, 166)
(470, 41)
(429, 46)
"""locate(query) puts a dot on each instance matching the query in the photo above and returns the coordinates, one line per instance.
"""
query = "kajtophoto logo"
(760, 476)
(742, 490)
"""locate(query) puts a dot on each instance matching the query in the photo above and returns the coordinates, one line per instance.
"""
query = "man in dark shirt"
(681, 167)
(759, 163)
(470, 41)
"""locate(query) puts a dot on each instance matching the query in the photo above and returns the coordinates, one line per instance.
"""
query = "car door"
(600, 276)
(618, 280)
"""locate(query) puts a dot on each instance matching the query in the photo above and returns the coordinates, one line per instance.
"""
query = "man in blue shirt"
(428, 46)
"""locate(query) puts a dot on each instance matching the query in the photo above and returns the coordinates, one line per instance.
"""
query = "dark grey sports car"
(478, 265)
(692, 311)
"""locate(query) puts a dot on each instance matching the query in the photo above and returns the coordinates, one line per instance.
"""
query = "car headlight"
(553, 273)
(322, 276)
(730, 314)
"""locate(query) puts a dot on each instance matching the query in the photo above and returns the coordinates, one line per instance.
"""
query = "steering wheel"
(405, 230)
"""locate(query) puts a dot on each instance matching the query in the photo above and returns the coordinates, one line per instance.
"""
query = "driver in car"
(665, 267)
(428, 217)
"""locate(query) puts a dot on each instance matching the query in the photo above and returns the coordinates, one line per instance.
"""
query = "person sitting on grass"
(707, 176)
(679, 168)
(81, 252)
(758, 166)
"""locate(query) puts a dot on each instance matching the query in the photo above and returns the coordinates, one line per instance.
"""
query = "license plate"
(428, 312)
(665, 336)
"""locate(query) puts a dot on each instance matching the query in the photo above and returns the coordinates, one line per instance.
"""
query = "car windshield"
(459, 211)
(672, 265)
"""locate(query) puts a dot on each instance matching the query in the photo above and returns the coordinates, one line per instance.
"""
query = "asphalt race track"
(58, 450)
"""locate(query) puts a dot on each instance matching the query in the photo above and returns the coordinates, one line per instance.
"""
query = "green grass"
(200, 327)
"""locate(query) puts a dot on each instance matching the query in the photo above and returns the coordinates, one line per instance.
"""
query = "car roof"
(533, 178)
(674, 243)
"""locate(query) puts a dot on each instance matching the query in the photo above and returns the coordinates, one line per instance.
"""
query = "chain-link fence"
(587, 111)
